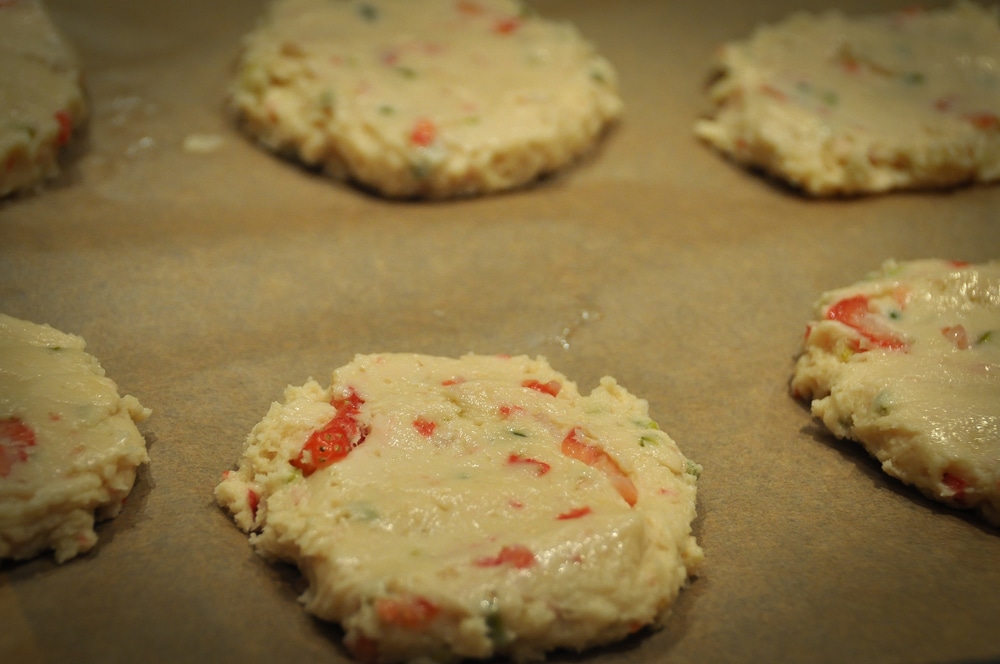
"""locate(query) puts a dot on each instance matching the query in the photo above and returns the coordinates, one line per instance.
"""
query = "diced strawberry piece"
(986, 121)
(551, 388)
(956, 484)
(13, 430)
(423, 133)
(945, 104)
(540, 466)
(850, 311)
(575, 447)
(409, 612)
(15, 439)
(424, 427)
(957, 335)
(253, 500)
(506, 410)
(335, 440)
(390, 58)
(507, 26)
(575, 513)
(855, 313)
(514, 555)
(348, 404)
(65, 128)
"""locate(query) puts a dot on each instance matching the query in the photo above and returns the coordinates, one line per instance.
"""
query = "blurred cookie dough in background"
(69, 447)
(838, 105)
(41, 96)
(423, 98)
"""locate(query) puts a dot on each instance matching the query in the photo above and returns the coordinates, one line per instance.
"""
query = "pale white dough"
(907, 363)
(69, 447)
(484, 508)
(41, 95)
(423, 98)
(855, 105)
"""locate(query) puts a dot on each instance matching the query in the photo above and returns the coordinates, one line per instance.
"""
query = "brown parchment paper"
(207, 282)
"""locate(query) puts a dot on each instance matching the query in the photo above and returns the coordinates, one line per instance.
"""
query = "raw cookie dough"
(907, 363)
(836, 105)
(472, 507)
(69, 446)
(423, 98)
(41, 96)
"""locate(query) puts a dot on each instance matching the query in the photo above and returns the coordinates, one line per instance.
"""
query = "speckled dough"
(423, 98)
(69, 447)
(41, 96)
(837, 105)
(472, 507)
(907, 363)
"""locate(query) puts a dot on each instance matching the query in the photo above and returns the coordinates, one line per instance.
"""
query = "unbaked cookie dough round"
(838, 105)
(41, 96)
(69, 447)
(468, 508)
(423, 98)
(907, 363)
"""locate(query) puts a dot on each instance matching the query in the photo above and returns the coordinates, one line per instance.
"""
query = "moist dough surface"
(41, 96)
(853, 105)
(423, 98)
(465, 508)
(907, 363)
(69, 447)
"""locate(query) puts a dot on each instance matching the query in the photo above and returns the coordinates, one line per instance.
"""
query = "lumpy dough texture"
(472, 507)
(69, 447)
(423, 98)
(41, 96)
(907, 363)
(838, 105)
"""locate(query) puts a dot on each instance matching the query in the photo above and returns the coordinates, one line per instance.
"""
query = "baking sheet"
(207, 282)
